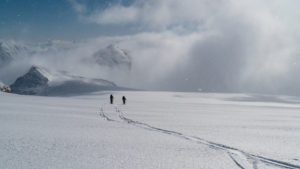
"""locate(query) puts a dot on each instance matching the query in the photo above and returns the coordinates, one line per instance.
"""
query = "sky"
(40, 20)
(190, 45)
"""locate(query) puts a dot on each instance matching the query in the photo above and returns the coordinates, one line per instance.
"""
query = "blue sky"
(39, 20)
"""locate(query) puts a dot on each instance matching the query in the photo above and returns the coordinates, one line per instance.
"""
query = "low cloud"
(208, 45)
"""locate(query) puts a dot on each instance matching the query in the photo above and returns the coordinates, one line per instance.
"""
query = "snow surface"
(60, 77)
(155, 130)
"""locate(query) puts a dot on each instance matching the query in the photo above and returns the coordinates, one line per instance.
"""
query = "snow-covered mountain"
(6, 53)
(61, 57)
(33, 82)
(10, 50)
(40, 81)
(112, 56)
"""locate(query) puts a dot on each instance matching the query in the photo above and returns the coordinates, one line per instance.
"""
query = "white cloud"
(115, 15)
(78, 7)
(215, 45)
(157, 14)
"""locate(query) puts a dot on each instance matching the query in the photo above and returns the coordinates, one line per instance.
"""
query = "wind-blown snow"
(154, 130)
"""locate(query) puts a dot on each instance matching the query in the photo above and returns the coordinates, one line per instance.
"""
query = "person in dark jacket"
(111, 99)
(124, 99)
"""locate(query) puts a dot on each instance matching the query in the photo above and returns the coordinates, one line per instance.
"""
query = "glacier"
(161, 130)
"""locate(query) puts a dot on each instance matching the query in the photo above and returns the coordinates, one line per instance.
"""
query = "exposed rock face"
(32, 83)
(113, 57)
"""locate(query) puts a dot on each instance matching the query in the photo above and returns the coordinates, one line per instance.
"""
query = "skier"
(111, 99)
(124, 99)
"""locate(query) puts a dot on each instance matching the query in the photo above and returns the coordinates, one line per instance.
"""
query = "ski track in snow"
(102, 114)
(234, 160)
(251, 159)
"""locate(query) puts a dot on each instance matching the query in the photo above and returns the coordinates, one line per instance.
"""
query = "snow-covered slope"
(99, 62)
(155, 130)
(15, 50)
(5, 54)
(33, 82)
(113, 56)
(40, 81)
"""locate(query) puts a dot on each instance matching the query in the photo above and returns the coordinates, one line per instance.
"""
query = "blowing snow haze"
(191, 45)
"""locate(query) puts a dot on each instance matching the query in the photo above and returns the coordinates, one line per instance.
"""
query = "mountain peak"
(33, 69)
(113, 56)
(33, 82)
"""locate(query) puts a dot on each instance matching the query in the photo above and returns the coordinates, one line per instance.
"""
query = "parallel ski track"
(102, 114)
(234, 160)
(228, 149)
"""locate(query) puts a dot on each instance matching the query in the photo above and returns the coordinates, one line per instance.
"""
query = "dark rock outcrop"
(32, 83)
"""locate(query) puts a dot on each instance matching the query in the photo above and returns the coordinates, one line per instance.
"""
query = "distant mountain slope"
(40, 81)
(5, 55)
(113, 56)
(14, 50)
(33, 82)
(109, 62)
(110, 56)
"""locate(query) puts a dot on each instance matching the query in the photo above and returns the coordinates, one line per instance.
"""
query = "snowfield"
(155, 130)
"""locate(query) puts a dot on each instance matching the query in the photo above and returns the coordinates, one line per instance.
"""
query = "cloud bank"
(199, 45)
(215, 45)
